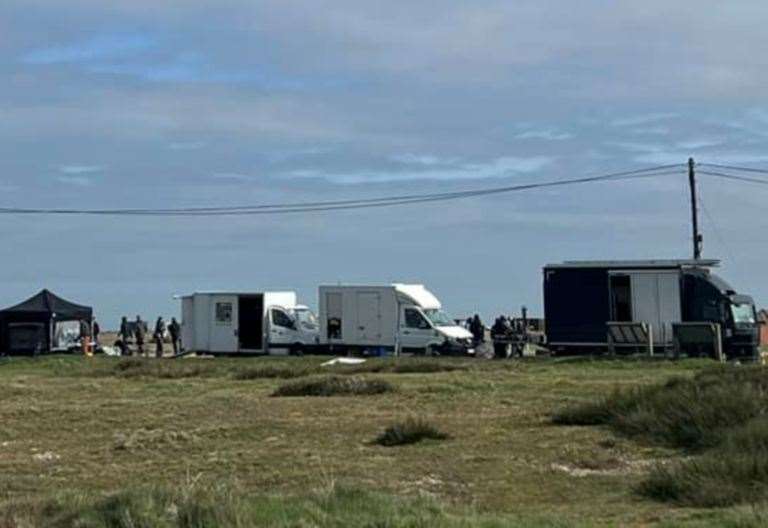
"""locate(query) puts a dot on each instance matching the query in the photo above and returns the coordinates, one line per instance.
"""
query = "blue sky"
(170, 103)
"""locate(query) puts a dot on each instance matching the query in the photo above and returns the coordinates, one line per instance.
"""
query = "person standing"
(139, 332)
(96, 330)
(124, 335)
(174, 328)
(159, 335)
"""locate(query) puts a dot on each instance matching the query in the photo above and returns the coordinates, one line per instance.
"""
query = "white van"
(398, 317)
(246, 323)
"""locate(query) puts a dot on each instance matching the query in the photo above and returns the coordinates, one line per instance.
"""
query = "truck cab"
(709, 298)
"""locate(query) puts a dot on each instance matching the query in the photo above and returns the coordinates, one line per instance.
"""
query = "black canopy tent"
(28, 327)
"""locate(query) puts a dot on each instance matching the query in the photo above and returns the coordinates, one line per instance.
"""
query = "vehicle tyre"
(297, 349)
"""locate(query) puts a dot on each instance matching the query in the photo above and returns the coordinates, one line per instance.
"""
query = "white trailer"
(245, 323)
(397, 317)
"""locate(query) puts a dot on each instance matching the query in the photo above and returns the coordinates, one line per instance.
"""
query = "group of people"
(137, 332)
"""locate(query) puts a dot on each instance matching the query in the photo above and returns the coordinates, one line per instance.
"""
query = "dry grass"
(88, 427)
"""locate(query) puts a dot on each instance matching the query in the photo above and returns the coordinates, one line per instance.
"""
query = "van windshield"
(306, 318)
(743, 313)
(439, 317)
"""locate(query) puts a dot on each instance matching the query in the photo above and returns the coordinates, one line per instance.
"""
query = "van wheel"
(297, 349)
(433, 351)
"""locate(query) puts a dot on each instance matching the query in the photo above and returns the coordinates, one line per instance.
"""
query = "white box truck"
(246, 323)
(397, 317)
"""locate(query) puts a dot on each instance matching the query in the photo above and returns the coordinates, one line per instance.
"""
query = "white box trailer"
(397, 317)
(245, 323)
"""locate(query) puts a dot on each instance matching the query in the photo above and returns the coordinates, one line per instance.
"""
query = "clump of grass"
(690, 413)
(272, 372)
(154, 368)
(227, 507)
(404, 367)
(410, 431)
(733, 473)
(334, 386)
(721, 413)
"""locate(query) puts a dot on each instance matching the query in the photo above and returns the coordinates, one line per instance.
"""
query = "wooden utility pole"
(697, 238)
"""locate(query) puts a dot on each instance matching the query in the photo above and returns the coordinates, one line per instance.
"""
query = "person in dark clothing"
(124, 335)
(139, 333)
(96, 330)
(159, 335)
(477, 329)
(174, 329)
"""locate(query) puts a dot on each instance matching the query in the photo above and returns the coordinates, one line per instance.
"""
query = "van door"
(416, 331)
(282, 329)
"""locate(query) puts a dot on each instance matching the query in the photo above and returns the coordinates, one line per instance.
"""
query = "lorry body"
(246, 323)
(581, 297)
(391, 318)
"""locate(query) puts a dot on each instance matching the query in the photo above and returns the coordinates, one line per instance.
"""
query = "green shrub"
(334, 386)
(410, 431)
(721, 413)
(222, 507)
(272, 372)
(734, 472)
(687, 413)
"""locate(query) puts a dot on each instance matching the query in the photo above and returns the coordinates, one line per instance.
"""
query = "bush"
(334, 386)
(721, 413)
(734, 472)
(223, 507)
(410, 431)
(692, 413)
(271, 372)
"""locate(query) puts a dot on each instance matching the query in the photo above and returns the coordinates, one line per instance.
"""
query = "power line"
(734, 177)
(302, 207)
(734, 167)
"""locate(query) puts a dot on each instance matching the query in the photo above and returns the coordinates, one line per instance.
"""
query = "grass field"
(75, 430)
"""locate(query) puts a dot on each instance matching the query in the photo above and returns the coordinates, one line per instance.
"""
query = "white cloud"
(643, 119)
(232, 176)
(77, 181)
(186, 145)
(80, 169)
(498, 168)
(545, 134)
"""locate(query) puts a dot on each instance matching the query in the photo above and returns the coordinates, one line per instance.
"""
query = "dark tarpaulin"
(43, 309)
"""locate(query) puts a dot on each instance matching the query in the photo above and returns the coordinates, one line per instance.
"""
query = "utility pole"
(697, 238)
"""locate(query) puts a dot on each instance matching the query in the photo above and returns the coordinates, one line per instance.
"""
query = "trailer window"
(414, 319)
(224, 312)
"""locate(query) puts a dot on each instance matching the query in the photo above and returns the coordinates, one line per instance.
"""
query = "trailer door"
(251, 323)
(223, 317)
(669, 305)
(656, 301)
(368, 317)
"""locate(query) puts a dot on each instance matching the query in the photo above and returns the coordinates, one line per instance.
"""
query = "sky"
(188, 103)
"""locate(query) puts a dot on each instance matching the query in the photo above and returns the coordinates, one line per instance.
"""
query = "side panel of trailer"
(188, 338)
(576, 306)
(358, 316)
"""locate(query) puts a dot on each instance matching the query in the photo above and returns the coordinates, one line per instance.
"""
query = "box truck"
(580, 298)
(397, 317)
(246, 323)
